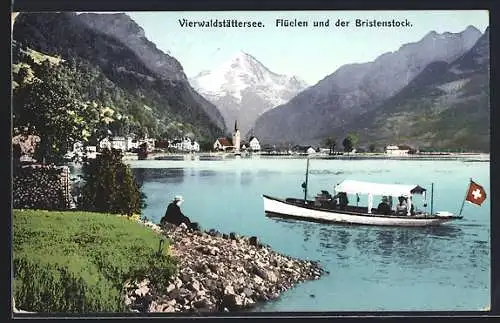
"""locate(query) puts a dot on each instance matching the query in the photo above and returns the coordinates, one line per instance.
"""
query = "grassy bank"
(79, 261)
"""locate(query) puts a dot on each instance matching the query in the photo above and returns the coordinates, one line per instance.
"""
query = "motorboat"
(325, 208)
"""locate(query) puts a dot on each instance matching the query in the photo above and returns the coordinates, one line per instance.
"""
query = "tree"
(347, 143)
(206, 145)
(110, 186)
(143, 151)
(50, 110)
(350, 142)
(372, 148)
(330, 143)
(24, 74)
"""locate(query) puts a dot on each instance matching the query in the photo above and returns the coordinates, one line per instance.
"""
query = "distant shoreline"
(476, 157)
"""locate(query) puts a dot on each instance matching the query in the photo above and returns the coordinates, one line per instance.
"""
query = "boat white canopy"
(360, 187)
(371, 189)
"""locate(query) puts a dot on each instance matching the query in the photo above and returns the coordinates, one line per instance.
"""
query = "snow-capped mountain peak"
(243, 88)
(242, 72)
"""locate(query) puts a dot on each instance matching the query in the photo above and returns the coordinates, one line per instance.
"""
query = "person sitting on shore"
(402, 206)
(384, 207)
(175, 216)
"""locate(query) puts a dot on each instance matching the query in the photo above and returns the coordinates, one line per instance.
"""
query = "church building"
(234, 144)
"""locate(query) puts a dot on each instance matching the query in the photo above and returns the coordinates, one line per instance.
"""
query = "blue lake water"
(371, 268)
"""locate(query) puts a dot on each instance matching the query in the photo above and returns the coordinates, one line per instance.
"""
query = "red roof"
(224, 141)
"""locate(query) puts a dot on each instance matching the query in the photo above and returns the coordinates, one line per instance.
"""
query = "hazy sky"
(308, 52)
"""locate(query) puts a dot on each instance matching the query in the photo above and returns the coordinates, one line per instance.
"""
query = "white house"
(222, 144)
(400, 150)
(105, 143)
(310, 150)
(91, 152)
(78, 146)
(185, 144)
(195, 146)
(254, 144)
(132, 143)
(119, 143)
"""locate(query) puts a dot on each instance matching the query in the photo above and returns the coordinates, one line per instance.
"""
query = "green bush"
(80, 261)
(110, 186)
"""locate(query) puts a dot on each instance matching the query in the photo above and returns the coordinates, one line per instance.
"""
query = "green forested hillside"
(88, 66)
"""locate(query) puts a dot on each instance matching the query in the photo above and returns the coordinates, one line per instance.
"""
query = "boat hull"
(281, 208)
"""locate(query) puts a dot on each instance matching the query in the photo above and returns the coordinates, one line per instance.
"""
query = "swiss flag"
(476, 194)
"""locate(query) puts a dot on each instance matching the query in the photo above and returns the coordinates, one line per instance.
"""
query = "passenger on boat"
(175, 216)
(343, 200)
(384, 207)
(412, 207)
(390, 202)
(402, 206)
(325, 200)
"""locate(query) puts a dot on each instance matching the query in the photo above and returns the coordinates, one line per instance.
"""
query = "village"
(130, 145)
(177, 148)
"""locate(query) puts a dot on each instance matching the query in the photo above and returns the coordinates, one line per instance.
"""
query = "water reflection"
(478, 251)
(308, 231)
(207, 173)
(385, 241)
(337, 239)
(246, 178)
(414, 247)
(160, 175)
(442, 231)
(344, 236)
(363, 241)
(347, 172)
(266, 173)
(326, 172)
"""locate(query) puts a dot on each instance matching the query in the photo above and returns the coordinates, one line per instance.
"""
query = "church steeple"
(236, 137)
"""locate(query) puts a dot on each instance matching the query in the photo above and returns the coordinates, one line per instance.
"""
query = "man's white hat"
(178, 198)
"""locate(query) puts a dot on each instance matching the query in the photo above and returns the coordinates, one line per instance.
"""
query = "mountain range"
(446, 106)
(367, 97)
(122, 69)
(429, 93)
(243, 88)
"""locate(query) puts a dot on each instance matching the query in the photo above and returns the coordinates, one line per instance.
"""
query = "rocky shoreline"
(219, 273)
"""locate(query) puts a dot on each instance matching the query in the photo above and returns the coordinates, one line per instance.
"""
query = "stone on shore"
(219, 273)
